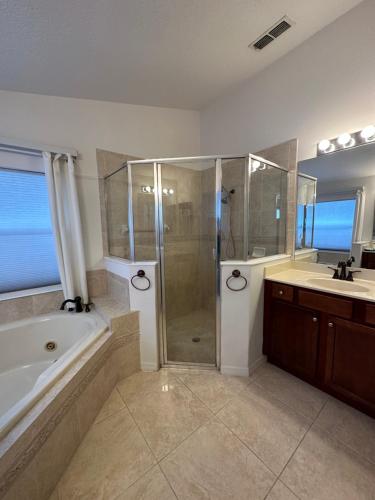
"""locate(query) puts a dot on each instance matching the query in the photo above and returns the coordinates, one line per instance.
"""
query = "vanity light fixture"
(368, 133)
(255, 165)
(325, 146)
(151, 190)
(347, 141)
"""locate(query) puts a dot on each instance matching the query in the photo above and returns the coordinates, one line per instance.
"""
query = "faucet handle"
(350, 275)
(87, 306)
(350, 261)
(336, 273)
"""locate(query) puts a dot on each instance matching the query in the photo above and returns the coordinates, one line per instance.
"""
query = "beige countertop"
(322, 281)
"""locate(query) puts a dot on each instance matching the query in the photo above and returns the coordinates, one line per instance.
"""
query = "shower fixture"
(226, 199)
(226, 195)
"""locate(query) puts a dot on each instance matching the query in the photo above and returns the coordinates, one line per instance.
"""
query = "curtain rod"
(33, 149)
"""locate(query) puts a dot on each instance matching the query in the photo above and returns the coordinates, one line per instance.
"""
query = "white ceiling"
(173, 53)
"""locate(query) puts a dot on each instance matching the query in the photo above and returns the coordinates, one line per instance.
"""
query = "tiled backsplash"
(100, 284)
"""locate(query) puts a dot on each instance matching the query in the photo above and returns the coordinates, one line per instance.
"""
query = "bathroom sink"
(344, 286)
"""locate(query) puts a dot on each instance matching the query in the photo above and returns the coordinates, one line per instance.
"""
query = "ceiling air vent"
(262, 42)
(275, 31)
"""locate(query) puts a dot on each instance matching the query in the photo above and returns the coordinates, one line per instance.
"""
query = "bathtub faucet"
(77, 302)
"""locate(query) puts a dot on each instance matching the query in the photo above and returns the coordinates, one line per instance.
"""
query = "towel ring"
(140, 274)
(236, 274)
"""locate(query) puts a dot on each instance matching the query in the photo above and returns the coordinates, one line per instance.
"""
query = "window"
(333, 225)
(27, 249)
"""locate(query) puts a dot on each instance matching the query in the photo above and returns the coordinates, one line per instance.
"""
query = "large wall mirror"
(335, 207)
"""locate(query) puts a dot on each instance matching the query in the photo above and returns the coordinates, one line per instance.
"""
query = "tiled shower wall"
(285, 154)
(232, 213)
(268, 192)
(113, 207)
(189, 227)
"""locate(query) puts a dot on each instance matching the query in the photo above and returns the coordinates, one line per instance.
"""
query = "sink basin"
(344, 286)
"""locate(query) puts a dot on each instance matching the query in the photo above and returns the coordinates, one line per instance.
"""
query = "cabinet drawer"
(326, 303)
(370, 314)
(283, 292)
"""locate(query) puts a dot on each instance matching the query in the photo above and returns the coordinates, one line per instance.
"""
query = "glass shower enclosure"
(188, 215)
(306, 200)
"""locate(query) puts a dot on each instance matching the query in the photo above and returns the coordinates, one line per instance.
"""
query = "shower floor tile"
(196, 434)
(191, 338)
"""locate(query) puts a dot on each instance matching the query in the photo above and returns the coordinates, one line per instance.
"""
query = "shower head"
(226, 195)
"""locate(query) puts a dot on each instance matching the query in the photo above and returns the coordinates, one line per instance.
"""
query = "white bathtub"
(28, 369)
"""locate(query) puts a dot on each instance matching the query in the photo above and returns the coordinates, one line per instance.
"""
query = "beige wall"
(320, 89)
(86, 125)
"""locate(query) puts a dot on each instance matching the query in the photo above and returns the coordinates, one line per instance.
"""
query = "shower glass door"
(188, 238)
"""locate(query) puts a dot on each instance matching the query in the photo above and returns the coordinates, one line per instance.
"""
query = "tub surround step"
(110, 308)
(121, 321)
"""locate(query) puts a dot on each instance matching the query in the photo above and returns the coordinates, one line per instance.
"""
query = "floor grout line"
(158, 461)
(299, 444)
(148, 446)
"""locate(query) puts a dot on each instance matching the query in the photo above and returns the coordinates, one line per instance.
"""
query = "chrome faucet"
(77, 303)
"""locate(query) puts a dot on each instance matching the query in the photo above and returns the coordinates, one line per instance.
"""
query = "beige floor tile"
(295, 393)
(112, 457)
(147, 382)
(113, 404)
(55, 495)
(268, 427)
(281, 492)
(350, 426)
(213, 463)
(152, 486)
(166, 418)
(214, 389)
(324, 469)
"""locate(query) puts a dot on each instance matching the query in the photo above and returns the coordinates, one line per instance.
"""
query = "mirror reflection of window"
(333, 228)
(305, 211)
(341, 223)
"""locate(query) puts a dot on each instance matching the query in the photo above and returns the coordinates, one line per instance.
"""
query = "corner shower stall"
(188, 215)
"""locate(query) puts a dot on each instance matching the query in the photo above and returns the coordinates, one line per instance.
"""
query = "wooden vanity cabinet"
(325, 339)
(294, 348)
(350, 361)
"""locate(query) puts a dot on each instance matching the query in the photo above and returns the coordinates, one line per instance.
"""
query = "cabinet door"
(350, 365)
(293, 339)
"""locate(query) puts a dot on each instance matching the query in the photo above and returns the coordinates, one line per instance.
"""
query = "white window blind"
(27, 249)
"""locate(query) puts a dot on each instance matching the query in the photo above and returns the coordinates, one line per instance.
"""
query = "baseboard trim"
(149, 367)
(234, 370)
(238, 371)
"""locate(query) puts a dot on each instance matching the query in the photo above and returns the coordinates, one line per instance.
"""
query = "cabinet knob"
(281, 292)
(330, 325)
(315, 319)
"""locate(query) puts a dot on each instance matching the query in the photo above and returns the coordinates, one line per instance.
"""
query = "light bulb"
(171, 191)
(256, 165)
(344, 139)
(368, 133)
(165, 191)
(324, 145)
(148, 189)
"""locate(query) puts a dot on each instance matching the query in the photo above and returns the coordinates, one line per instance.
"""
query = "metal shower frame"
(159, 236)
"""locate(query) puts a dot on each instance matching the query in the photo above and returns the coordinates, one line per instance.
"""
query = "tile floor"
(201, 435)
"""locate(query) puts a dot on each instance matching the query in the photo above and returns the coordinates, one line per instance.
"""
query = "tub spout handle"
(77, 303)
(87, 306)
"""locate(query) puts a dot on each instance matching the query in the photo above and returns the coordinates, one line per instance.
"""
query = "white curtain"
(359, 214)
(66, 223)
